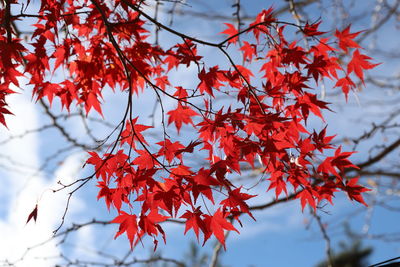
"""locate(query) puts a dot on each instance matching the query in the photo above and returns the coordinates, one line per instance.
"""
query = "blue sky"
(281, 236)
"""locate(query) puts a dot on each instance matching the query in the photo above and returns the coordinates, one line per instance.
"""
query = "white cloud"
(23, 192)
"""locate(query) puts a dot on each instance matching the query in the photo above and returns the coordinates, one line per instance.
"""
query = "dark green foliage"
(350, 256)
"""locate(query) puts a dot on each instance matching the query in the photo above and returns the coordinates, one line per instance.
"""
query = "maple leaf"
(133, 132)
(216, 225)
(105, 192)
(33, 214)
(323, 66)
(170, 150)
(354, 190)
(100, 165)
(278, 183)
(180, 92)
(149, 223)
(181, 170)
(194, 220)
(326, 191)
(238, 199)
(186, 53)
(346, 84)
(189, 148)
(172, 61)
(92, 101)
(309, 196)
(3, 111)
(245, 72)
(46, 89)
(249, 51)
(62, 54)
(321, 141)
(339, 160)
(162, 82)
(322, 48)
(202, 182)
(294, 54)
(168, 196)
(312, 30)
(181, 115)
(346, 39)
(209, 80)
(358, 63)
(12, 75)
(127, 223)
(67, 94)
(231, 31)
(145, 160)
(259, 25)
(317, 67)
(204, 177)
(309, 102)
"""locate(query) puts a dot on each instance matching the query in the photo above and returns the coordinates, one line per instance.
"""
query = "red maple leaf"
(127, 223)
(3, 111)
(312, 30)
(346, 84)
(358, 63)
(262, 20)
(309, 102)
(339, 160)
(130, 135)
(216, 225)
(354, 190)
(149, 223)
(278, 183)
(202, 182)
(99, 165)
(145, 160)
(210, 80)
(231, 31)
(249, 51)
(105, 192)
(322, 48)
(346, 39)
(309, 196)
(189, 148)
(238, 199)
(181, 115)
(321, 141)
(162, 82)
(33, 214)
(92, 101)
(194, 220)
(47, 89)
(169, 150)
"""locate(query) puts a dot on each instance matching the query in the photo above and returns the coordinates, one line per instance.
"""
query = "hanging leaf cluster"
(249, 112)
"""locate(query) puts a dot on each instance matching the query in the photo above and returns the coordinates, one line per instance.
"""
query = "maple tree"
(272, 93)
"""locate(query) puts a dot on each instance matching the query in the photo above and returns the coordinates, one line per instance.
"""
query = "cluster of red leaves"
(263, 126)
